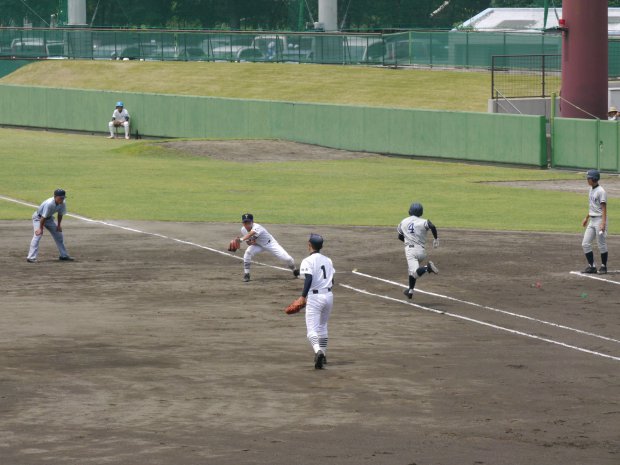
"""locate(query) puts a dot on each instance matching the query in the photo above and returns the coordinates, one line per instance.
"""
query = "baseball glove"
(295, 306)
(234, 245)
(117, 123)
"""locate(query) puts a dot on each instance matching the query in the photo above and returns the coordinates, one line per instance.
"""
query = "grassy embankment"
(439, 90)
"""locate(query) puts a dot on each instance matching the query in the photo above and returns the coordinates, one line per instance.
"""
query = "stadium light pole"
(584, 59)
(76, 12)
(328, 14)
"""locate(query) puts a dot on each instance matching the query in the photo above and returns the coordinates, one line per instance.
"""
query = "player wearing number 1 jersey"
(413, 231)
(319, 280)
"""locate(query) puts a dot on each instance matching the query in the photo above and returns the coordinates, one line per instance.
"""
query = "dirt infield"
(147, 350)
(256, 151)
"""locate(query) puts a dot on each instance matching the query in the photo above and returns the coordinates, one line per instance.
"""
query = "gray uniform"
(414, 230)
(47, 210)
(596, 198)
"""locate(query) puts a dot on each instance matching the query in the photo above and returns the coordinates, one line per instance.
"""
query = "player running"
(412, 231)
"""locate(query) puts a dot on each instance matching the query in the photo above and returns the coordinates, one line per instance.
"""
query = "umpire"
(44, 218)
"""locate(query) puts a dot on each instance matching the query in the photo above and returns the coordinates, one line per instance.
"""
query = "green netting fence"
(466, 49)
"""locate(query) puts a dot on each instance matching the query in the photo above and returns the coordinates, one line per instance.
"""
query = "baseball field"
(149, 348)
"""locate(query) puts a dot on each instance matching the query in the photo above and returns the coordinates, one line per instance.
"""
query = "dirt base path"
(151, 351)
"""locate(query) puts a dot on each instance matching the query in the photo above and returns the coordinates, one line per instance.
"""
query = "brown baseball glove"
(117, 124)
(295, 306)
(234, 245)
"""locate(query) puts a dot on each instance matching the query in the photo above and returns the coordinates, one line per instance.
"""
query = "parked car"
(237, 53)
(277, 47)
(37, 48)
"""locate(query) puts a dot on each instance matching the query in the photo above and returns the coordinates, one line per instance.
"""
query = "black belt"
(317, 291)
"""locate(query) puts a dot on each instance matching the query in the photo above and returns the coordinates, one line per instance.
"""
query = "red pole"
(584, 59)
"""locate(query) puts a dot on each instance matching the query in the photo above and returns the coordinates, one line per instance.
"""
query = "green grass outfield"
(140, 180)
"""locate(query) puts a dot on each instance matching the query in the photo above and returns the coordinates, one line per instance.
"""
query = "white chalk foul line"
(592, 276)
(505, 312)
(147, 233)
(483, 323)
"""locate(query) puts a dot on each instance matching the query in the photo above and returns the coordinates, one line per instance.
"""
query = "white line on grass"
(505, 312)
(483, 323)
(139, 231)
(584, 275)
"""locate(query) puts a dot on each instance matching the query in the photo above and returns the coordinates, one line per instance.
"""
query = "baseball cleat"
(246, 277)
(319, 360)
(432, 268)
(408, 293)
(66, 258)
(602, 269)
(590, 270)
(31, 260)
(127, 137)
(111, 137)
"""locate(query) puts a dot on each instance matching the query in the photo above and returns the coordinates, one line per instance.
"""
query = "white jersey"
(49, 207)
(262, 236)
(597, 197)
(414, 229)
(120, 115)
(321, 269)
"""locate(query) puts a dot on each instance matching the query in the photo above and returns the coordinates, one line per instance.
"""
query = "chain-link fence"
(465, 49)
(520, 76)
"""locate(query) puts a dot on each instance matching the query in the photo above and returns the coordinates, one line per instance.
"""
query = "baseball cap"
(316, 240)
(119, 104)
(60, 193)
(612, 110)
(247, 217)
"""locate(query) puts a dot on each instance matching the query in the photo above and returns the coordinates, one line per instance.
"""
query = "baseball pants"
(318, 309)
(414, 256)
(125, 125)
(273, 247)
(50, 225)
(592, 232)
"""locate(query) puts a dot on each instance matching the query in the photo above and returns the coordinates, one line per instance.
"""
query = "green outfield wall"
(514, 139)
(579, 143)
(8, 66)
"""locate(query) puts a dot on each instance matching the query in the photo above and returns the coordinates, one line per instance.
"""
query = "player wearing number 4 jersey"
(319, 280)
(413, 231)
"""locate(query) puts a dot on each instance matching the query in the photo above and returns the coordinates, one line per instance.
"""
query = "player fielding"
(259, 240)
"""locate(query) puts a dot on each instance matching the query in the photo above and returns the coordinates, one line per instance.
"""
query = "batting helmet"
(316, 240)
(595, 175)
(416, 209)
(247, 217)
(60, 193)
(120, 104)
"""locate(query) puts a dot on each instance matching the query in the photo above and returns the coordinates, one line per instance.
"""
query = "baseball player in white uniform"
(595, 223)
(44, 218)
(120, 117)
(412, 231)
(258, 240)
(319, 281)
